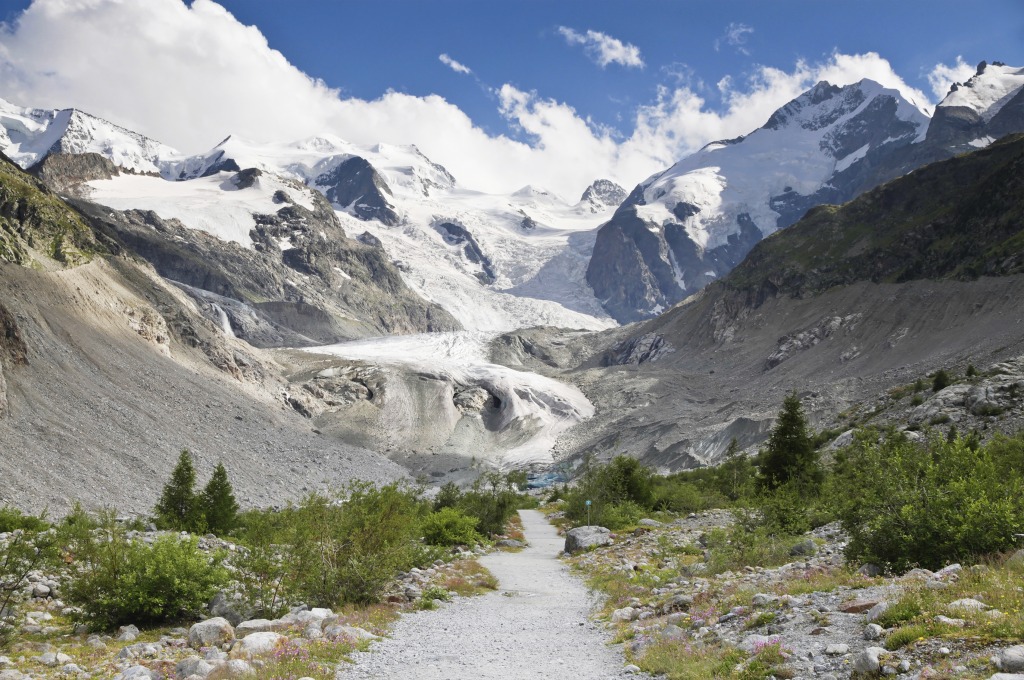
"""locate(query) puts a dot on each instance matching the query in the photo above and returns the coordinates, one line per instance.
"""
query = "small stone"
(127, 633)
(873, 631)
(877, 611)
(631, 669)
(625, 614)
(837, 649)
(868, 660)
(968, 604)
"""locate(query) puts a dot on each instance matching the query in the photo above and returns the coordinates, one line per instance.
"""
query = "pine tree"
(790, 455)
(218, 502)
(178, 508)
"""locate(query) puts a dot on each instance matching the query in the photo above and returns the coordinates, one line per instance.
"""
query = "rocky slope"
(109, 371)
(690, 225)
(303, 281)
(920, 274)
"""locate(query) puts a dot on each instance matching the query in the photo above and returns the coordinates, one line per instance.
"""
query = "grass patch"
(680, 661)
(468, 578)
(759, 619)
(901, 637)
(823, 581)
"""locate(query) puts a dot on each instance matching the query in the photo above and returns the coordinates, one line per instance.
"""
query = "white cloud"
(603, 48)
(189, 76)
(735, 36)
(454, 65)
(943, 76)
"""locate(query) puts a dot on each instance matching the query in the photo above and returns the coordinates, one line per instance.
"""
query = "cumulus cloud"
(454, 65)
(189, 76)
(603, 48)
(943, 76)
(735, 36)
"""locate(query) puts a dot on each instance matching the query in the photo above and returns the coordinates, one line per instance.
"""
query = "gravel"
(535, 626)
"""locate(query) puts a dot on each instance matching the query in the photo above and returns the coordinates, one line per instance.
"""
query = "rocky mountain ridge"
(683, 228)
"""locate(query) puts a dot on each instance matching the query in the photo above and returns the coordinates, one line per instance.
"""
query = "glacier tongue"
(532, 410)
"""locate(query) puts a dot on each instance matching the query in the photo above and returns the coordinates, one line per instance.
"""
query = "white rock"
(868, 660)
(256, 644)
(210, 633)
(1011, 659)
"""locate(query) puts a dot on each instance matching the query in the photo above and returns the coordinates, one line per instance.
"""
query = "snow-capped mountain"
(496, 262)
(28, 135)
(975, 113)
(685, 227)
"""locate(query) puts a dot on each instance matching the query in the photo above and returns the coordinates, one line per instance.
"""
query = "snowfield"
(212, 204)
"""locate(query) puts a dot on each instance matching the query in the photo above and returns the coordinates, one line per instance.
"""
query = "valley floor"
(535, 625)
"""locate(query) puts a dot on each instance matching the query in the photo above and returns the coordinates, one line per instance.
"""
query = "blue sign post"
(588, 513)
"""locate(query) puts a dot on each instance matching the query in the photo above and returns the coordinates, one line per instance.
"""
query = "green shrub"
(925, 504)
(348, 552)
(24, 551)
(13, 519)
(260, 565)
(119, 581)
(450, 526)
(493, 499)
(620, 492)
(901, 637)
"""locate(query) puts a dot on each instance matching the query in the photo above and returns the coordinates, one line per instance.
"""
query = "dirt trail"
(534, 626)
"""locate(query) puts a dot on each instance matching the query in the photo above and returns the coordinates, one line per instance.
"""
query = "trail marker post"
(588, 513)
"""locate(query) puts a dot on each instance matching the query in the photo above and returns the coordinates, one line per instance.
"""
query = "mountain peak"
(603, 194)
(988, 90)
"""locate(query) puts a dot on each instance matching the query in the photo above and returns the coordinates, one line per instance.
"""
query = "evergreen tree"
(178, 507)
(790, 455)
(218, 502)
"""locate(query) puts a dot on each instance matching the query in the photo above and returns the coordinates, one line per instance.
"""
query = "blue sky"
(538, 105)
(519, 43)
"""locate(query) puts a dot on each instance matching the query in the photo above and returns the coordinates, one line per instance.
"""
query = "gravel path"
(534, 626)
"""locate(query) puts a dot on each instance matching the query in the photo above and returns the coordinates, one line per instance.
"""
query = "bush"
(13, 519)
(450, 526)
(260, 565)
(349, 551)
(907, 504)
(24, 551)
(119, 581)
(493, 499)
(620, 494)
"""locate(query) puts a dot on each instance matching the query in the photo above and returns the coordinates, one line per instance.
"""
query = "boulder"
(193, 666)
(257, 644)
(582, 538)
(221, 606)
(210, 633)
(868, 661)
(259, 626)
(804, 548)
(351, 633)
(1011, 659)
(138, 673)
